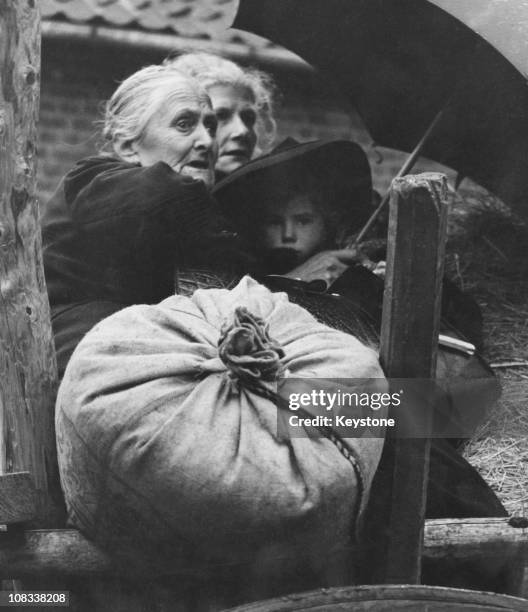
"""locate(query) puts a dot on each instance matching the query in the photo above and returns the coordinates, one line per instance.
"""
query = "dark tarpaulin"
(400, 62)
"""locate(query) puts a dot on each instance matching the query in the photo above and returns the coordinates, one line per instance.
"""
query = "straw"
(486, 254)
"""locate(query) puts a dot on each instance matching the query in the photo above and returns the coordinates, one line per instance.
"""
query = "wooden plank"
(17, 498)
(493, 548)
(521, 586)
(473, 538)
(68, 552)
(409, 598)
(409, 333)
(27, 367)
(63, 552)
(517, 577)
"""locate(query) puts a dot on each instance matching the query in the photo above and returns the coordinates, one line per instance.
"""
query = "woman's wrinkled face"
(181, 133)
(236, 112)
(297, 226)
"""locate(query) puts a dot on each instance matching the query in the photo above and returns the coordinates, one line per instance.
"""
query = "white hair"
(210, 70)
(139, 97)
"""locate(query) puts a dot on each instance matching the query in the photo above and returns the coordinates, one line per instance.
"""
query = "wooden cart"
(33, 547)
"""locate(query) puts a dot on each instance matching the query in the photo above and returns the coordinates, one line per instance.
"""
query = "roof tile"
(194, 18)
(75, 10)
(116, 12)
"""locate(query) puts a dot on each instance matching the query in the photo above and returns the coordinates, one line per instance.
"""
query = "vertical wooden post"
(409, 338)
(28, 374)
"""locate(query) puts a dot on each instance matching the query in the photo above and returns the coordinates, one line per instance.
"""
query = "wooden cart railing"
(33, 545)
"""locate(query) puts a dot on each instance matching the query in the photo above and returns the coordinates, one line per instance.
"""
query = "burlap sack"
(168, 461)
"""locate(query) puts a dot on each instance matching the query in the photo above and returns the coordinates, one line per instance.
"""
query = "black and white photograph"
(264, 305)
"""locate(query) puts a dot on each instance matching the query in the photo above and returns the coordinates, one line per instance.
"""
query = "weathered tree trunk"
(28, 374)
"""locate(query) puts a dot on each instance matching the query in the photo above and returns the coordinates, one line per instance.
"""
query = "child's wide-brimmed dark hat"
(338, 168)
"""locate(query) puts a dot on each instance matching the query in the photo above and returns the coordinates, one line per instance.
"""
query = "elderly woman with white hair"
(120, 223)
(243, 100)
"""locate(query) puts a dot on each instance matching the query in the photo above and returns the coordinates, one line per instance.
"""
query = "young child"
(298, 201)
(300, 229)
(296, 206)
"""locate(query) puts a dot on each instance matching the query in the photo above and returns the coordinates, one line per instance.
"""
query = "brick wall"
(66, 134)
(77, 77)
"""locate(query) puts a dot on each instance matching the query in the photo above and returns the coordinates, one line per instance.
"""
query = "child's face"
(297, 226)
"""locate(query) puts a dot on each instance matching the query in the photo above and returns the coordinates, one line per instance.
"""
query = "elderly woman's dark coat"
(113, 235)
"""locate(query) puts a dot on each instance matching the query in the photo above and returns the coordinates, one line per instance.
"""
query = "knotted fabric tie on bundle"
(253, 357)
(248, 351)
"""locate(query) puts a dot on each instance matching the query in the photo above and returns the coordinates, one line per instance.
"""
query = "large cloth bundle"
(169, 457)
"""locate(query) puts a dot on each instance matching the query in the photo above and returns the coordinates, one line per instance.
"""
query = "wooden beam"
(28, 376)
(63, 552)
(409, 336)
(475, 538)
(275, 57)
(17, 498)
(381, 598)
(482, 553)
(66, 552)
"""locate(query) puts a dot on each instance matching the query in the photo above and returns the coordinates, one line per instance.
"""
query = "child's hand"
(327, 265)
(379, 270)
